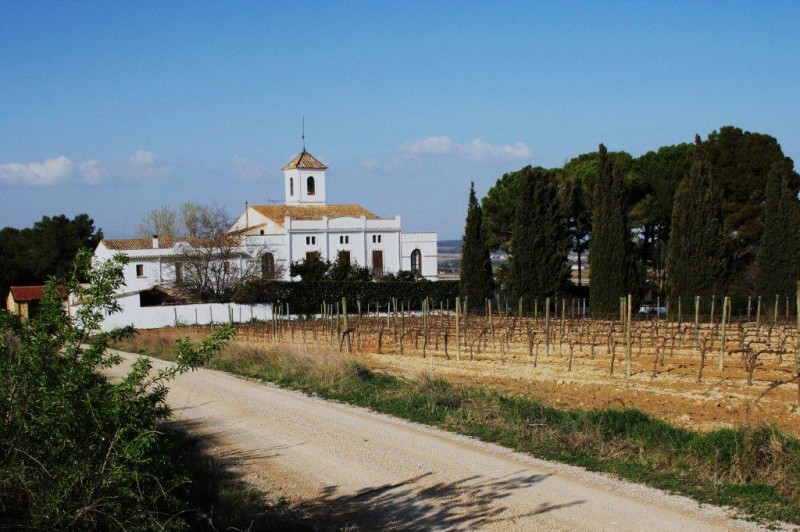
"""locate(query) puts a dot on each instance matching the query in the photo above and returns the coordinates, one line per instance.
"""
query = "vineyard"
(698, 372)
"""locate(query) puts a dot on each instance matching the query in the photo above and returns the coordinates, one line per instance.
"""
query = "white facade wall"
(167, 316)
(301, 195)
(428, 246)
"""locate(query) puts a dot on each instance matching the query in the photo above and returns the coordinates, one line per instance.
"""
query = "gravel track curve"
(349, 467)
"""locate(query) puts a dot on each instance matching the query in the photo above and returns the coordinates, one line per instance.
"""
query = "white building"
(269, 238)
(307, 224)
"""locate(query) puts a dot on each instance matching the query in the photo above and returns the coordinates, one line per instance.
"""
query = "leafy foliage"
(696, 259)
(31, 255)
(538, 266)
(477, 282)
(778, 260)
(608, 257)
(740, 162)
(307, 296)
(75, 450)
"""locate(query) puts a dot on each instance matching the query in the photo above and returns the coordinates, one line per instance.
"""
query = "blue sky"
(115, 108)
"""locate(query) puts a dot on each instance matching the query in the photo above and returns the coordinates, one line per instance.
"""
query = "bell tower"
(304, 180)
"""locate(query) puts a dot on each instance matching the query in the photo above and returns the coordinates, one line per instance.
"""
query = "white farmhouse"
(307, 224)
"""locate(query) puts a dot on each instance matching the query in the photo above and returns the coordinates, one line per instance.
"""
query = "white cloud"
(248, 169)
(143, 165)
(143, 158)
(93, 172)
(49, 172)
(477, 150)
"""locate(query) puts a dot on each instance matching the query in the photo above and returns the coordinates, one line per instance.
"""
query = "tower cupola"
(304, 180)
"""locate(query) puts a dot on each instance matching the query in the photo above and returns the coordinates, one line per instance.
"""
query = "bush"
(75, 450)
(307, 296)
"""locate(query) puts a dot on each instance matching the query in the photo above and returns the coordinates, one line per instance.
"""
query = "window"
(178, 272)
(416, 262)
(261, 232)
(291, 186)
(310, 190)
(376, 239)
(344, 239)
(140, 270)
(267, 266)
(311, 240)
(226, 266)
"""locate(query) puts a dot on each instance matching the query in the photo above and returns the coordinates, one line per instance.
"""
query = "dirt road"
(351, 467)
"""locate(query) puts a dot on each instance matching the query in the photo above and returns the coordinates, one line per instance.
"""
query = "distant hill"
(450, 246)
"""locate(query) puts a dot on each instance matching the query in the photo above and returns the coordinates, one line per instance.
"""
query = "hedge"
(307, 296)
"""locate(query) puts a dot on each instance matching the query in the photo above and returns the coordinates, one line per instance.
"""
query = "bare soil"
(574, 371)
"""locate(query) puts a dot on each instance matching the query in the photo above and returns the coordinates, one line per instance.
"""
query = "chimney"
(155, 241)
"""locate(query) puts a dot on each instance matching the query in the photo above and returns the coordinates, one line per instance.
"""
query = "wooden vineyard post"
(536, 309)
(725, 312)
(346, 332)
(547, 327)
(425, 327)
(519, 308)
(458, 328)
(749, 306)
(797, 346)
(680, 315)
(175, 311)
(775, 316)
(758, 312)
(628, 361)
(713, 305)
(696, 320)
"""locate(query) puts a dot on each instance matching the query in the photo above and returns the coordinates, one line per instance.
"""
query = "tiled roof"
(305, 160)
(122, 244)
(277, 213)
(27, 293)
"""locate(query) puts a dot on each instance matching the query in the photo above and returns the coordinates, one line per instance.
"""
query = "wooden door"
(377, 262)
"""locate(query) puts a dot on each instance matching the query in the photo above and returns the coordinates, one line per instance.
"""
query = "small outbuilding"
(23, 300)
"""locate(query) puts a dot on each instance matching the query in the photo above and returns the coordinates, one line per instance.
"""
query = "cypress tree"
(696, 255)
(477, 282)
(539, 241)
(778, 257)
(609, 242)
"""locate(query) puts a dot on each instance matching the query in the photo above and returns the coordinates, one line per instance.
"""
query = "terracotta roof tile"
(277, 213)
(122, 244)
(27, 293)
(305, 160)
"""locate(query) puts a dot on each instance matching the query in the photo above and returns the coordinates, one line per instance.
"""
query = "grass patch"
(756, 470)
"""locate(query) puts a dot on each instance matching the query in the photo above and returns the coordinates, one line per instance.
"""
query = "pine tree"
(696, 256)
(539, 241)
(477, 282)
(778, 257)
(609, 242)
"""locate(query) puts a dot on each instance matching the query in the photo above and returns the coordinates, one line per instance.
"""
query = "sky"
(117, 108)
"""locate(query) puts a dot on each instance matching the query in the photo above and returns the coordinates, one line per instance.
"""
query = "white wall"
(428, 246)
(165, 316)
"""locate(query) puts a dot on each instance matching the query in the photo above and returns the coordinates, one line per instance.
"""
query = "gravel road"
(350, 467)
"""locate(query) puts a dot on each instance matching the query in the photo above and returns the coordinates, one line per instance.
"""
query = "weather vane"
(304, 133)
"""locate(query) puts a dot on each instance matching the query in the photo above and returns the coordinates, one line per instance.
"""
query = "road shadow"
(416, 504)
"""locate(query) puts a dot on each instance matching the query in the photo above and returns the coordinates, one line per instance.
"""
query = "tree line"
(31, 255)
(716, 216)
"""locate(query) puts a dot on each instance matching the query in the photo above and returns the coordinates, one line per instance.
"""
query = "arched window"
(310, 186)
(416, 262)
(267, 266)
(291, 186)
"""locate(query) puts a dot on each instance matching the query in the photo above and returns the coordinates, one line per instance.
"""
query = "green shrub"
(307, 296)
(75, 450)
